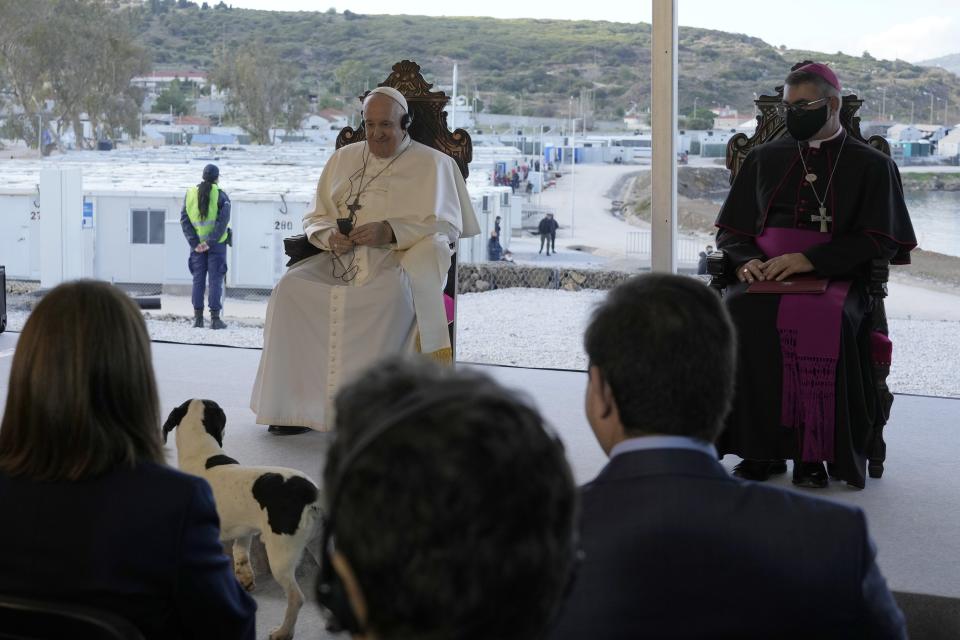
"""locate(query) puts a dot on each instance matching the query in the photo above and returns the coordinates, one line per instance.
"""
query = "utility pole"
(931, 107)
(543, 169)
(883, 104)
(573, 172)
(453, 103)
(40, 133)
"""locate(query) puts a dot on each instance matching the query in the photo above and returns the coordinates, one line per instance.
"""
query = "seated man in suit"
(451, 509)
(676, 547)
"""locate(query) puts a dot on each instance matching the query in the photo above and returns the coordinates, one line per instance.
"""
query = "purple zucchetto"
(823, 71)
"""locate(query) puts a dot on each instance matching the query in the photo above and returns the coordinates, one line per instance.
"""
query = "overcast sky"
(914, 30)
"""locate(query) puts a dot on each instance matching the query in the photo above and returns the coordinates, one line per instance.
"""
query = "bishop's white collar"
(815, 144)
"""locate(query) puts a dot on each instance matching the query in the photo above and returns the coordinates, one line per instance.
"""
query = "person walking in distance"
(548, 233)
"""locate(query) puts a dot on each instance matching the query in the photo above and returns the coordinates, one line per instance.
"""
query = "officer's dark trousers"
(544, 238)
(214, 262)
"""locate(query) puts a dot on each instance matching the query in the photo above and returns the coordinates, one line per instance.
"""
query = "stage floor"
(913, 511)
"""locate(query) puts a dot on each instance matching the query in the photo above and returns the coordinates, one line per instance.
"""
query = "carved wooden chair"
(771, 126)
(429, 127)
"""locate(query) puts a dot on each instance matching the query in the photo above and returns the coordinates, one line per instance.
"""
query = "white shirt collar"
(657, 441)
(815, 144)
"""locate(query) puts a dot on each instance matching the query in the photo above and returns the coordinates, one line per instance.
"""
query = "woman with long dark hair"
(92, 515)
(205, 219)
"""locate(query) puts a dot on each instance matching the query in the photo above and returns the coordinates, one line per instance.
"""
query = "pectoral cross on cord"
(355, 206)
(823, 219)
(809, 176)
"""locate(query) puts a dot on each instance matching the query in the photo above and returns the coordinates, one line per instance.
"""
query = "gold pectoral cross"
(823, 219)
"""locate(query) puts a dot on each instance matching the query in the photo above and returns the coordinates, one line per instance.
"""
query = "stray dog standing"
(282, 505)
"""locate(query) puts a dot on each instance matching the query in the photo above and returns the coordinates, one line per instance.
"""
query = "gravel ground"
(544, 328)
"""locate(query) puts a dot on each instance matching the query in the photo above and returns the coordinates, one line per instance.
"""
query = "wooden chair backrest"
(429, 118)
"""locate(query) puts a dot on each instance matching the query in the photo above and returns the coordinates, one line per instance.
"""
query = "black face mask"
(802, 125)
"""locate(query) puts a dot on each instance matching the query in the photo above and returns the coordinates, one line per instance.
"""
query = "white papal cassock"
(321, 329)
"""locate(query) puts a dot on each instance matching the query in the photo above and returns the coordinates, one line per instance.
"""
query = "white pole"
(573, 172)
(453, 110)
(663, 115)
(543, 169)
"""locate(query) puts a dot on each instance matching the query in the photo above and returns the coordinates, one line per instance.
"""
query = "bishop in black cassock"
(845, 199)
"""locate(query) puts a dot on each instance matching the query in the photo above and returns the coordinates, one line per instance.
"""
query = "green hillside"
(529, 65)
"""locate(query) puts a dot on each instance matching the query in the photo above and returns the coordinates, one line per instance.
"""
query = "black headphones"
(331, 592)
(405, 120)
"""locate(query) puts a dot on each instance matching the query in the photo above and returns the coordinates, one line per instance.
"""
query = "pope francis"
(386, 213)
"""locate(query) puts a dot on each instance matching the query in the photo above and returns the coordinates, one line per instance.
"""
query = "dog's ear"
(174, 419)
(214, 420)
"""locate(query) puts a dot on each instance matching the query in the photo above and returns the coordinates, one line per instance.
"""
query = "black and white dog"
(282, 505)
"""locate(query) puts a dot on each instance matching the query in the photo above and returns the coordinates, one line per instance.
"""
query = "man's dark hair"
(666, 346)
(458, 521)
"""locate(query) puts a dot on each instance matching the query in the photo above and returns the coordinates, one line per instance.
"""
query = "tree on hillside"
(294, 111)
(352, 76)
(21, 72)
(702, 122)
(110, 99)
(259, 89)
(90, 71)
(500, 104)
(77, 53)
(173, 100)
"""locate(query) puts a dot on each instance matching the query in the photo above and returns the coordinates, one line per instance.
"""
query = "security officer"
(205, 219)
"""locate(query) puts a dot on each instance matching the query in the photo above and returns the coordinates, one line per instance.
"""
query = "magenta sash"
(809, 328)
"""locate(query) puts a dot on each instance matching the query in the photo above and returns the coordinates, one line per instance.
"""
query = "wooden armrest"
(879, 276)
(718, 267)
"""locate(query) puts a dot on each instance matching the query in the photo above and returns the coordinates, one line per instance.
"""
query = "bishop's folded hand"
(785, 266)
(750, 271)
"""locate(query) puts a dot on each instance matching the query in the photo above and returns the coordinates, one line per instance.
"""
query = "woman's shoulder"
(167, 489)
(172, 482)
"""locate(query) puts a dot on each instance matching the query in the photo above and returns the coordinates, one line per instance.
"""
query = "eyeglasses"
(796, 107)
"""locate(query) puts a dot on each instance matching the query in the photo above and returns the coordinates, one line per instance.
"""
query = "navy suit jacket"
(142, 543)
(677, 548)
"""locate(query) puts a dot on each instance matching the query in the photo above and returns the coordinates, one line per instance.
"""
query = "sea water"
(936, 220)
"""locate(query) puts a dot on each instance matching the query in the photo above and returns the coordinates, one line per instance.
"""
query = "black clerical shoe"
(282, 430)
(811, 475)
(759, 470)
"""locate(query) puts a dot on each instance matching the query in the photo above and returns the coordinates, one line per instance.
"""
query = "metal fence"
(638, 245)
